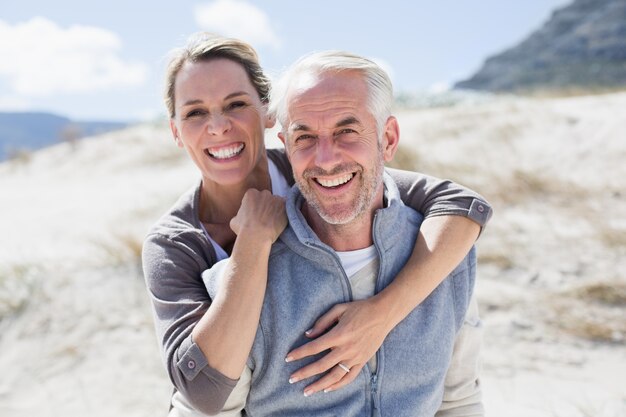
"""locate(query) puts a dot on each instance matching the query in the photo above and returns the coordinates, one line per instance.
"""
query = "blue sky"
(105, 60)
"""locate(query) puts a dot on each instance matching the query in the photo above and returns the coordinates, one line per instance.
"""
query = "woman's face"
(220, 120)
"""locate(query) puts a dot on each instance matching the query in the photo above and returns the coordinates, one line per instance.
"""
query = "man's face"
(332, 143)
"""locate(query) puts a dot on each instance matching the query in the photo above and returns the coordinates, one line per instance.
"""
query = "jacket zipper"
(374, 377)
(374, 391)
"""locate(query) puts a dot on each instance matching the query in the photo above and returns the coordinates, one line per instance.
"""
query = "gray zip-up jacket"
(176, 251)
(306, 278)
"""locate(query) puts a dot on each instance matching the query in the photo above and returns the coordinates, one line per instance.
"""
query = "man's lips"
(225, 152)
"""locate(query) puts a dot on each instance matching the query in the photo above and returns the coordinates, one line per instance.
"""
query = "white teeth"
(226, 153)
(335, 182)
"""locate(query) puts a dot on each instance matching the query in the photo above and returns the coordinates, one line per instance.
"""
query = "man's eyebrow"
(299, 127)
(228, 97)
(351, 120)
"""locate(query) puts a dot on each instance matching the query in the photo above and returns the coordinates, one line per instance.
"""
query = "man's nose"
(327, 155)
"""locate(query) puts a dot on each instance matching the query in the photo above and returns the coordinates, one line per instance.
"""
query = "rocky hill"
(581, 48)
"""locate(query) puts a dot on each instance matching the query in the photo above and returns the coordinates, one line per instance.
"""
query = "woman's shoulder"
(177, 238)
(279, 158)
(181, 218)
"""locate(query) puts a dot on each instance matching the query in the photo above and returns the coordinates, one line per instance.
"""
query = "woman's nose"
(218, 124)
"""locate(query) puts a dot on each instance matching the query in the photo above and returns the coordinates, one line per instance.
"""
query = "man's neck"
(341, 237)
(354, 235)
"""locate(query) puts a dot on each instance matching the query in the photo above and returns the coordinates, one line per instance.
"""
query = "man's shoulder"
(284, 245)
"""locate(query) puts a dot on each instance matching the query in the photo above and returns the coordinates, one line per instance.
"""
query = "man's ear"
(390, 139)
(174, 130)
(283, 139)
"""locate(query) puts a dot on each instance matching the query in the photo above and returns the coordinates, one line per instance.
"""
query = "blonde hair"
(204, 46)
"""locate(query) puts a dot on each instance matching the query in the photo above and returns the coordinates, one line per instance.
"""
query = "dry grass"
(571, 91)
(17, 284)
(19, 156)
(405, 158)
(121, 248)
(501, 259)
(612, 237)
(613, 294)
(594, 311)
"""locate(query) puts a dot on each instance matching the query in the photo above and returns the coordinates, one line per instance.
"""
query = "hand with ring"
(344, 367)
(359, 330)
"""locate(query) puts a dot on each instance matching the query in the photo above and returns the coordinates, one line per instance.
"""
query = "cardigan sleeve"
(172, 270)
(432, 196)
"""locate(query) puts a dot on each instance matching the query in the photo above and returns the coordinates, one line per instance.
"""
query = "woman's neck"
(219, 203)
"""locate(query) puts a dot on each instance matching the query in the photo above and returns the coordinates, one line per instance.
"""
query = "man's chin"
(336, 216)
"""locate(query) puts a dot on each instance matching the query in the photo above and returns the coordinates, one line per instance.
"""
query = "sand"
(76, 334)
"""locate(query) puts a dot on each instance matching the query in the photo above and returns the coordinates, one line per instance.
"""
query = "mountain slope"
(581, 48)
(35, 130)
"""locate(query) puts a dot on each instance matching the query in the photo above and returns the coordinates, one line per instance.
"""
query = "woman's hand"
(361, 327)
(261, 214)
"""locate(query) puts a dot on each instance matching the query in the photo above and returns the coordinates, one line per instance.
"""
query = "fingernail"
(293, 379)
(328, 390)
(288, 359)
(308, 331)
(308, 393)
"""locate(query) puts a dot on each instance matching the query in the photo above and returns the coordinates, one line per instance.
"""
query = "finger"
(310, 348)
(327, 320)
(331, 378)
(347, 378)
(321, 365)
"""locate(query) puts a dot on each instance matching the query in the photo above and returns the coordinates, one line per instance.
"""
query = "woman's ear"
(270, 120)
(174, 130)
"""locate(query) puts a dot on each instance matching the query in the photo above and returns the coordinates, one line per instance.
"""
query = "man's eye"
(304, 138)
(346, 131)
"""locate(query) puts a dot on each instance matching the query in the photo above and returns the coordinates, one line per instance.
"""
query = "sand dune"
(75, 325)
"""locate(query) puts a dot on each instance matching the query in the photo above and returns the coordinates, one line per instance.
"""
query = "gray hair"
(380, 89)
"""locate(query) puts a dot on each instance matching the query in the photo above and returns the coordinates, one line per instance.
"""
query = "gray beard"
(364, 199)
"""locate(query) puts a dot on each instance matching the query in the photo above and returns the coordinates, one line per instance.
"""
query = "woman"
(217, 98)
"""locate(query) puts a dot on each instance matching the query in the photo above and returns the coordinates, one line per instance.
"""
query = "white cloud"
(14, 103)
(238, 19)
(39, 58)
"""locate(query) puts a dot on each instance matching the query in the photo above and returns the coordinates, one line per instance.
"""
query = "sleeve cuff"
(480, 212)
(192, 361)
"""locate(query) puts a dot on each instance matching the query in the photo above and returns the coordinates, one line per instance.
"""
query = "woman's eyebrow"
(194, 101)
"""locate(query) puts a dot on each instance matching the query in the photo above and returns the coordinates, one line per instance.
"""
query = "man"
(348, 236)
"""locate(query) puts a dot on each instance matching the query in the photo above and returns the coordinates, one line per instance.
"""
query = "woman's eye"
(194, 113)
(236, 105)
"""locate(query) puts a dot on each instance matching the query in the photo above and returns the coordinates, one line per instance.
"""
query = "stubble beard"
(370, 181)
